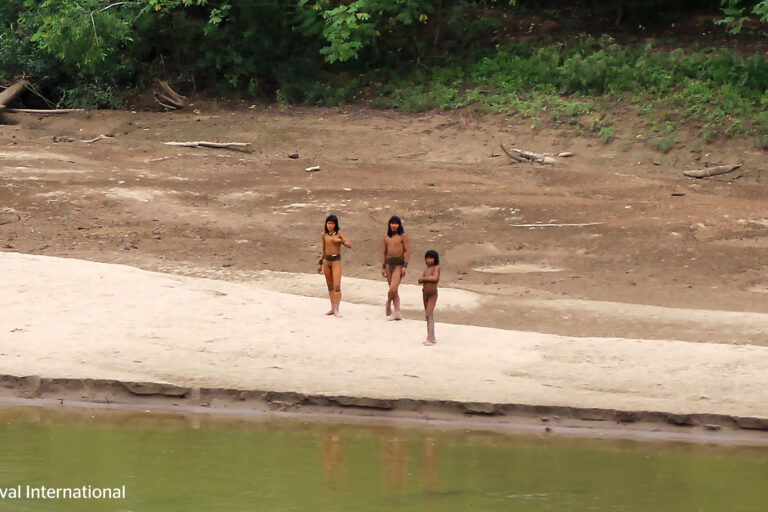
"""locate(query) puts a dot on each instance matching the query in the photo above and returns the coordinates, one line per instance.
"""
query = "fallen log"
(712, 171)
(44, 111)
(10, 94)
(205, 144)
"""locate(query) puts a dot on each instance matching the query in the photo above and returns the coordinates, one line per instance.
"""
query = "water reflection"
(189, 463)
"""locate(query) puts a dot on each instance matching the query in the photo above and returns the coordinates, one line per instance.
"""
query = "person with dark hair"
(429, 282)
(330, 261)
(397, 252)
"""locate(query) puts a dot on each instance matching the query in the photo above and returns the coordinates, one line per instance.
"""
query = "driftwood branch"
(577, 225)
(712, 171)
(535, 157)
(167, 97)
(520, 155)
(204, 144)
(510, 155)
(57, 138)
(44, 111)
(411, 155)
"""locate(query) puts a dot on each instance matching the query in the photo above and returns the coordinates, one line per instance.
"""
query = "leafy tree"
(737, 12)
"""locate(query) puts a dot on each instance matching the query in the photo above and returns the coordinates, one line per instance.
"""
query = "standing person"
(429, 282)
(397, 252)
(330, 261)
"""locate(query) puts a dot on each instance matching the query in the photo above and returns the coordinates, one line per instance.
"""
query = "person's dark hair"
(400, 229)
(432, 254)
(331, 218)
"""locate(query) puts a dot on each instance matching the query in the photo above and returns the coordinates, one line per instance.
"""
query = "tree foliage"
(738, 12)
(87, 50)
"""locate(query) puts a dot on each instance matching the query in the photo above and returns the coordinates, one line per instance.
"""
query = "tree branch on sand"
(204, 144)
(712, 171)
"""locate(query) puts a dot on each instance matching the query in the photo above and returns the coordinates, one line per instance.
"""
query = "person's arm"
(384, 259)
(435, 277)
(322, 256)
(344, 240)
(407, 251)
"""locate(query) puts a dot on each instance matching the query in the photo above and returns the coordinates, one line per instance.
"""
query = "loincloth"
(333, 257)
(395, 261)
(429, 291)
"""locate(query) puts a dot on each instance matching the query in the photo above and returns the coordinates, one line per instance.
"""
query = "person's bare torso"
(395, 246)
(429, 287)
(332, 243)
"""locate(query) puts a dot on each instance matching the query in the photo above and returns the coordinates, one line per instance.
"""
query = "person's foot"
(430, 342)
(389, 308)
(397, 316)
(337, 314)
(331, 312)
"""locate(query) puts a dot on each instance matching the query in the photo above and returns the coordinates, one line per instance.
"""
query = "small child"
(429, 291)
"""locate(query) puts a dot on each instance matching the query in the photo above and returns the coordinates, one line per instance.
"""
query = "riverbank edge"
(568, 420)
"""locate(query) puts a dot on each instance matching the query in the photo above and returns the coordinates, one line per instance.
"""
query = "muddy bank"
(159, 398)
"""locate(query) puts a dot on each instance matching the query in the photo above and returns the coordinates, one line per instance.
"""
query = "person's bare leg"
(425, 299)
(328, 271)
(388, 309)
(429, 309)
(336, 265)
(394, 295)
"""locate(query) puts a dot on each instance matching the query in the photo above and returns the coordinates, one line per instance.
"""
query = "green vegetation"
(414, 55)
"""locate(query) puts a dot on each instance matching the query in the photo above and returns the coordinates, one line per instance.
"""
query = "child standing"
(429, 282)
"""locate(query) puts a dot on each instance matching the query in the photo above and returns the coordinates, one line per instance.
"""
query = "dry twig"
(205, 144)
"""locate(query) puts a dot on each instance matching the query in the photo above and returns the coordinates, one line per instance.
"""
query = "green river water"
(189, 463)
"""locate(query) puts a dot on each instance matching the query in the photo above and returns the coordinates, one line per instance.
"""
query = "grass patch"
(572, 85)
(664, 144)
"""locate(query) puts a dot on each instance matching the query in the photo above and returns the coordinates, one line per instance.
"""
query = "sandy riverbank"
(91, 326)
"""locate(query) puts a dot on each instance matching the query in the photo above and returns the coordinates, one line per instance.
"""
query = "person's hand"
(319, 268)
(402, 271)
(383, 272)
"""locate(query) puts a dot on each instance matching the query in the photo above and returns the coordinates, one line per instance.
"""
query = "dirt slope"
(643, 251)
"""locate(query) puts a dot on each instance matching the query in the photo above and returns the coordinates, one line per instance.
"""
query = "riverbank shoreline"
(113, 335)
(157, 399)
